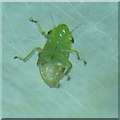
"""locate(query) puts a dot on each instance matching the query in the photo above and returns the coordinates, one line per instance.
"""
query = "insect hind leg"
(39, 49)
(78, 55)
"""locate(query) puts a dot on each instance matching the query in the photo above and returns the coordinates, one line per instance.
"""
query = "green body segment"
(59, 40)
(53, 59)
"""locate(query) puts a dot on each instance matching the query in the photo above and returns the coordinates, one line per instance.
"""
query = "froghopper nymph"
(53, 58)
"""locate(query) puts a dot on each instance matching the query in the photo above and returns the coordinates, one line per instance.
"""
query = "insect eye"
(49, 32)
(72, 40)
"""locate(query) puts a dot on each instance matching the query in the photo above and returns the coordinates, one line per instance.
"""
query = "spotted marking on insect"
(53, 59)
(60, 35)
(63, 31)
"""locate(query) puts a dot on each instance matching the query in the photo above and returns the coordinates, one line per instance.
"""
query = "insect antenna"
(76, 27)
(52, 21)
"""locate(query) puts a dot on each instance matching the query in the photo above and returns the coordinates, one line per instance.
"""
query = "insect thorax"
(60, 34)
(59, 41)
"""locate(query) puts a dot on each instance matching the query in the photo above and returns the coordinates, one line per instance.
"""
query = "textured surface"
(92, 90)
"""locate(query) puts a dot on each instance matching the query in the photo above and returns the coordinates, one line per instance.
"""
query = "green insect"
(53, 59)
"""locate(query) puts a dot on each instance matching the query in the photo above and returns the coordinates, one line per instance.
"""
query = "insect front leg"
(38, 26)
(78, 55)
(39, 49)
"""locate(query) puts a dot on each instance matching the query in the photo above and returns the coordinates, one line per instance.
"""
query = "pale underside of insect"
(53, 59)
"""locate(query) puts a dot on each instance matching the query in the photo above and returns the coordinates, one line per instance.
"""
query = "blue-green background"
(92, 90)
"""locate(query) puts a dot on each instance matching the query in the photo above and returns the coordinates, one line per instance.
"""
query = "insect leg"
(67, 65)
(78, 55)
(29, 55)
(38, 26)
(68, 77)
